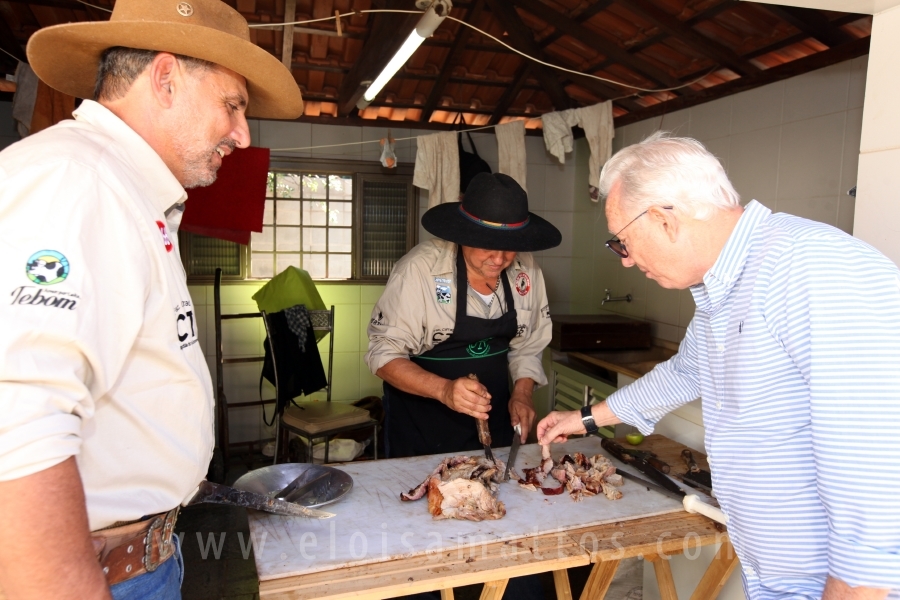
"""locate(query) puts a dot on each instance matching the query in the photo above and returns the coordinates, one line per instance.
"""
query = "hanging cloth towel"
(298, 322)
(558, 132)
(511, 151)
(597, 122)
(437, 167)
(300, 370)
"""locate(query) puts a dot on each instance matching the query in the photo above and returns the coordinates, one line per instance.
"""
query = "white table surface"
(373, 525)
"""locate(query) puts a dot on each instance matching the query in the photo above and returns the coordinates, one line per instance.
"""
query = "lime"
(634, 438)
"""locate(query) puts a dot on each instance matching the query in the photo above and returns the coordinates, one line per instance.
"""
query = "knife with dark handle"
(484, 434)
(691, 502)
(214, 493)
(513, 450)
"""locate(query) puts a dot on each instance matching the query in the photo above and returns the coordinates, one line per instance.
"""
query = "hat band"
(492, 224)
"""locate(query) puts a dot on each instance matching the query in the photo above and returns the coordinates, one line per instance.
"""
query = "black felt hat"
(493, 216)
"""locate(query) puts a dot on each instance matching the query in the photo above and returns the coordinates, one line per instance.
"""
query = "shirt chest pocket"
(523, 322)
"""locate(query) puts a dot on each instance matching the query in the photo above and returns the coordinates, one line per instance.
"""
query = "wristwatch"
(588, 419)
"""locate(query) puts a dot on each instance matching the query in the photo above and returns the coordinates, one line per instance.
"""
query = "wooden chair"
(317, 420)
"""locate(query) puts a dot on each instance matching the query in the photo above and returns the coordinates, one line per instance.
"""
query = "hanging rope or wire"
(502, 43)
(372, 141)
(12, 55)
(95, 6)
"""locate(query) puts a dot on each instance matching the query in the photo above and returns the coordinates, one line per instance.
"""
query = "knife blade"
(300, 486)
(214, 493)
(484, 434)
(513, 450)
(691, 502)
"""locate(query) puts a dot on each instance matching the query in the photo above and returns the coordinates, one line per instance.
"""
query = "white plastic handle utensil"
(693, 504)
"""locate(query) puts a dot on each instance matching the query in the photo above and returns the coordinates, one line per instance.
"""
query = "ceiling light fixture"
(431, 19)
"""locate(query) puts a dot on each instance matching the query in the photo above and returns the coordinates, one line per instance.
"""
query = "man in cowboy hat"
(472, 301)
(105, 394)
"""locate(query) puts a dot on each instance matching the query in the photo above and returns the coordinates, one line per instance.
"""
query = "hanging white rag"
(511, 151)
(597, 122)
(558, 132)
(24, 98)
(437, 167)
(388, 157)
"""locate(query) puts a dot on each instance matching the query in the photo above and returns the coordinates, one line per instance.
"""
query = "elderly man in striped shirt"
(795, 351)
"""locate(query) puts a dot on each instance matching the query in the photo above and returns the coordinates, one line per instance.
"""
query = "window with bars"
(308, 223)
(336, 223)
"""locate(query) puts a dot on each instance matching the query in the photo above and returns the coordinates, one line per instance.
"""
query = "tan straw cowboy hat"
(66, 56)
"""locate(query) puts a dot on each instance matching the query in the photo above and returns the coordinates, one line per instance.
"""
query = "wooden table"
(654, 537)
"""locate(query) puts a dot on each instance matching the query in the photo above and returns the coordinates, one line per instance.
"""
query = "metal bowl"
(269, 480)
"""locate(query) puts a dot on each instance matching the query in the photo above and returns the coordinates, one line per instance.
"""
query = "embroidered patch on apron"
(523, 283)
(442, 292)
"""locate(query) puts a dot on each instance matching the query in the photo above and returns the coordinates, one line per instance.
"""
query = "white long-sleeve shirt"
(795, 352)
(99, 354)
(417, 310)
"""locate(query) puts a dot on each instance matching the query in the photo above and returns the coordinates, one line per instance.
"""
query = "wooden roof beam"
(704, 45)
(523, 38)
(813, 23)
(592, 40)
(388, 32)
(454, 57)
(287, 43)
(812, 62)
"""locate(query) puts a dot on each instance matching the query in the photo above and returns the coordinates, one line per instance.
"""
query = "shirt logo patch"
(46, 267)
(523, 283)
(165, 235)
(442, 292)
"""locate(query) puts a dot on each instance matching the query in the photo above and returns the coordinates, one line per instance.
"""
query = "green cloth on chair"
(289, 288)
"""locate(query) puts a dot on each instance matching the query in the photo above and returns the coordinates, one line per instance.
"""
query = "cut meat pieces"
(579, 475)
(462, 487)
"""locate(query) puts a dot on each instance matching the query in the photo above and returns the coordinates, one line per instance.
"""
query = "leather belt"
(136, 548)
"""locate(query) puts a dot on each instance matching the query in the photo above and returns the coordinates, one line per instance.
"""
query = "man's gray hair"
(120, 66)
(664, 170)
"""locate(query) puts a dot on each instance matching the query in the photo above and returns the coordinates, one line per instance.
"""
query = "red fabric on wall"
(233, 206)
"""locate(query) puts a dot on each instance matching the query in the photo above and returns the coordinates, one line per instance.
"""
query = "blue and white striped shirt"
(795, 352)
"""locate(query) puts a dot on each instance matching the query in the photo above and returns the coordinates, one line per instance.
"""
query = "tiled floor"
(219, 560)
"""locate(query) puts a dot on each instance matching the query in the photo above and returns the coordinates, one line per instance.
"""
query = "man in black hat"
(472, 301)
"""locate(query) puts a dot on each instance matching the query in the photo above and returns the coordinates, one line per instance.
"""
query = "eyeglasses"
(617, 247)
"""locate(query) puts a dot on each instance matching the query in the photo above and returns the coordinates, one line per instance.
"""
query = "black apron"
(415, 425)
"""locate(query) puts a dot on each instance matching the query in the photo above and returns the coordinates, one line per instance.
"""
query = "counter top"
(634, 363)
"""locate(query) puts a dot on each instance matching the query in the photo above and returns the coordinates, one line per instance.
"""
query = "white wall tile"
(536, 151)
(850, 161)
(846, 209)
(720, 148)
(537, 187)
(878, 171)
(753, 163)
(253, 126)
(563, 222)
(662, 304)
(677, 123)
(636, 132)
(329, 135)
(823, 209)
(857, 92)
(817, 93)
(686, 308)
(811, 156)
(558, 277)
(757, 108)
(712, 119)
(632, 281)
(559, 186)
(282, 134)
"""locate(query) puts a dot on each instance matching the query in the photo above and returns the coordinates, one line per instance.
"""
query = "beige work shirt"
(417, 310)
(99, 352)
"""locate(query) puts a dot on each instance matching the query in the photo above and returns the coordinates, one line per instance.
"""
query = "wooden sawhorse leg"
(598, 582)
(493, 590)
(723, 563)
(664, 578)
(561, 582)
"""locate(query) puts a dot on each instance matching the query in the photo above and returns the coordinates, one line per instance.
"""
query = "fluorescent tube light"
(424, 29)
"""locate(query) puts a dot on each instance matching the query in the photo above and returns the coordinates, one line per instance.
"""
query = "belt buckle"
(149, 564)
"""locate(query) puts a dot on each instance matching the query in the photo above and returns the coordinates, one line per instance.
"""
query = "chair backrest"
(323, 320)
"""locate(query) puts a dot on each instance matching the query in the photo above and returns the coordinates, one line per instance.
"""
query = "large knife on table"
(513, 450)
(484, 434)
(214, 493)
(662, 483)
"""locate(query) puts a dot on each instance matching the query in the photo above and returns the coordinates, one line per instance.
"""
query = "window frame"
(361, 171)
